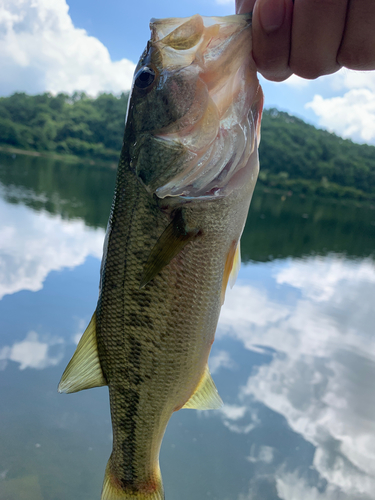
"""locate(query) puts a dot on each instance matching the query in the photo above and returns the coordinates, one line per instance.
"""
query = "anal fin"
(206, 396)
(84, 370)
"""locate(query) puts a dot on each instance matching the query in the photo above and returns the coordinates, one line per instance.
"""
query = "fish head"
(195, 108)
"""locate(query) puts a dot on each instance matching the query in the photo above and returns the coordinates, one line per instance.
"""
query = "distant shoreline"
(294, 156)
(17, 151)
(56, 156)
(299, 187)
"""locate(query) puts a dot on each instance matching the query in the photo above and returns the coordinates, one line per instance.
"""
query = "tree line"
(72, 125)
(294, 155)
(298, 156)
(65, 188)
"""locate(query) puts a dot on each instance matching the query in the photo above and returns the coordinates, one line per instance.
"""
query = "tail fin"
(112, 489)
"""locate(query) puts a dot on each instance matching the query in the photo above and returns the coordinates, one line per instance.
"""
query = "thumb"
(244, 6)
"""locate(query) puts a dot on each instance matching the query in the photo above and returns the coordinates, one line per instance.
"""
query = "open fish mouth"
(220, 129)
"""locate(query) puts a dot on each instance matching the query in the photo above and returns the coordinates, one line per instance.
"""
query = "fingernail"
(272, 14)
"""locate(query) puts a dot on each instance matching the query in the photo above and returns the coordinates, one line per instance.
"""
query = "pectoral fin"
(235, 266)
(206, 396)
(170, 243)
(231, 268)
(84, 370)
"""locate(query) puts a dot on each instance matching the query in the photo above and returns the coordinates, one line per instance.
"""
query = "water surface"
(294, 356)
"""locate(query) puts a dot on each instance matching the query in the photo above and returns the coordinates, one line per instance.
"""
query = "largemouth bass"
(186, 175)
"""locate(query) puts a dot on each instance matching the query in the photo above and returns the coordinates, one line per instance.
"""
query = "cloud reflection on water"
(239, 419)
(314, 317)
(33, 246)
(33, 352)
(221, 359)
(319, 278)
(321, 375)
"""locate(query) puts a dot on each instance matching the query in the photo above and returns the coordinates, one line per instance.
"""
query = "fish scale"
(167, 259)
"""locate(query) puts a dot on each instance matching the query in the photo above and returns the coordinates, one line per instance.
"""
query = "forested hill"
(74, 125)
(294, 156)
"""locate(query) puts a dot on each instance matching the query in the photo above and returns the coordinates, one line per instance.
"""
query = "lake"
(293, 359)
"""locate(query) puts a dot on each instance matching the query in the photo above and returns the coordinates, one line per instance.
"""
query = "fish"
(186, 174)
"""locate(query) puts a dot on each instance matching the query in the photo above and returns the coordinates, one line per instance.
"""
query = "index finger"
(318, 26)
(271, 28)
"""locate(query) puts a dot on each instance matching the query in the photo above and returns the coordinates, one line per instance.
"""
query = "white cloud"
(264, 454)
(41, 50)
(31, 353)
(233, 412)
(329, 273)
(350, 116)
(334, 306)
(246, 303)
(350, 113)
(82, 324)
(32, 246)
(220, 359)
(348, 79)
(320, 377)
(291, 487)
(239, 419)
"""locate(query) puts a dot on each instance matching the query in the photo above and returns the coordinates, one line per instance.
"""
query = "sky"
(68, 45)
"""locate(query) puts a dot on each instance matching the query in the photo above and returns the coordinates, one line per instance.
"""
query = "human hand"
(311, 38)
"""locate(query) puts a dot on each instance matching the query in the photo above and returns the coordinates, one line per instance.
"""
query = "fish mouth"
(220, 131)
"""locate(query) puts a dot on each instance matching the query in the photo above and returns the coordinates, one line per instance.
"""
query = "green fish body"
(187, 171)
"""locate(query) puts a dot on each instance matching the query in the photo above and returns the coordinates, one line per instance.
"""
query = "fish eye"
(144, 78)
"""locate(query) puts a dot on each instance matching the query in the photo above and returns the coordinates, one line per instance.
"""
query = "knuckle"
(308, 72)
(277, 76)
(273, 67)
(311, 71)
(325, 3)
(358, 58)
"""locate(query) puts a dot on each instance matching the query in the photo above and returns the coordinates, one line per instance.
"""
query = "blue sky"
(124, 29)
(123, 26)
(68, 45)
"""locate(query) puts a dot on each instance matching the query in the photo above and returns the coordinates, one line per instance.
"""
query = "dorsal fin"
(84, 370)
(206, 396)
(170, 243)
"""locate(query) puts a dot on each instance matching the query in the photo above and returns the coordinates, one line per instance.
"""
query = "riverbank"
(266, 183)
(68, 158)
(294, 155)
(284, 188)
